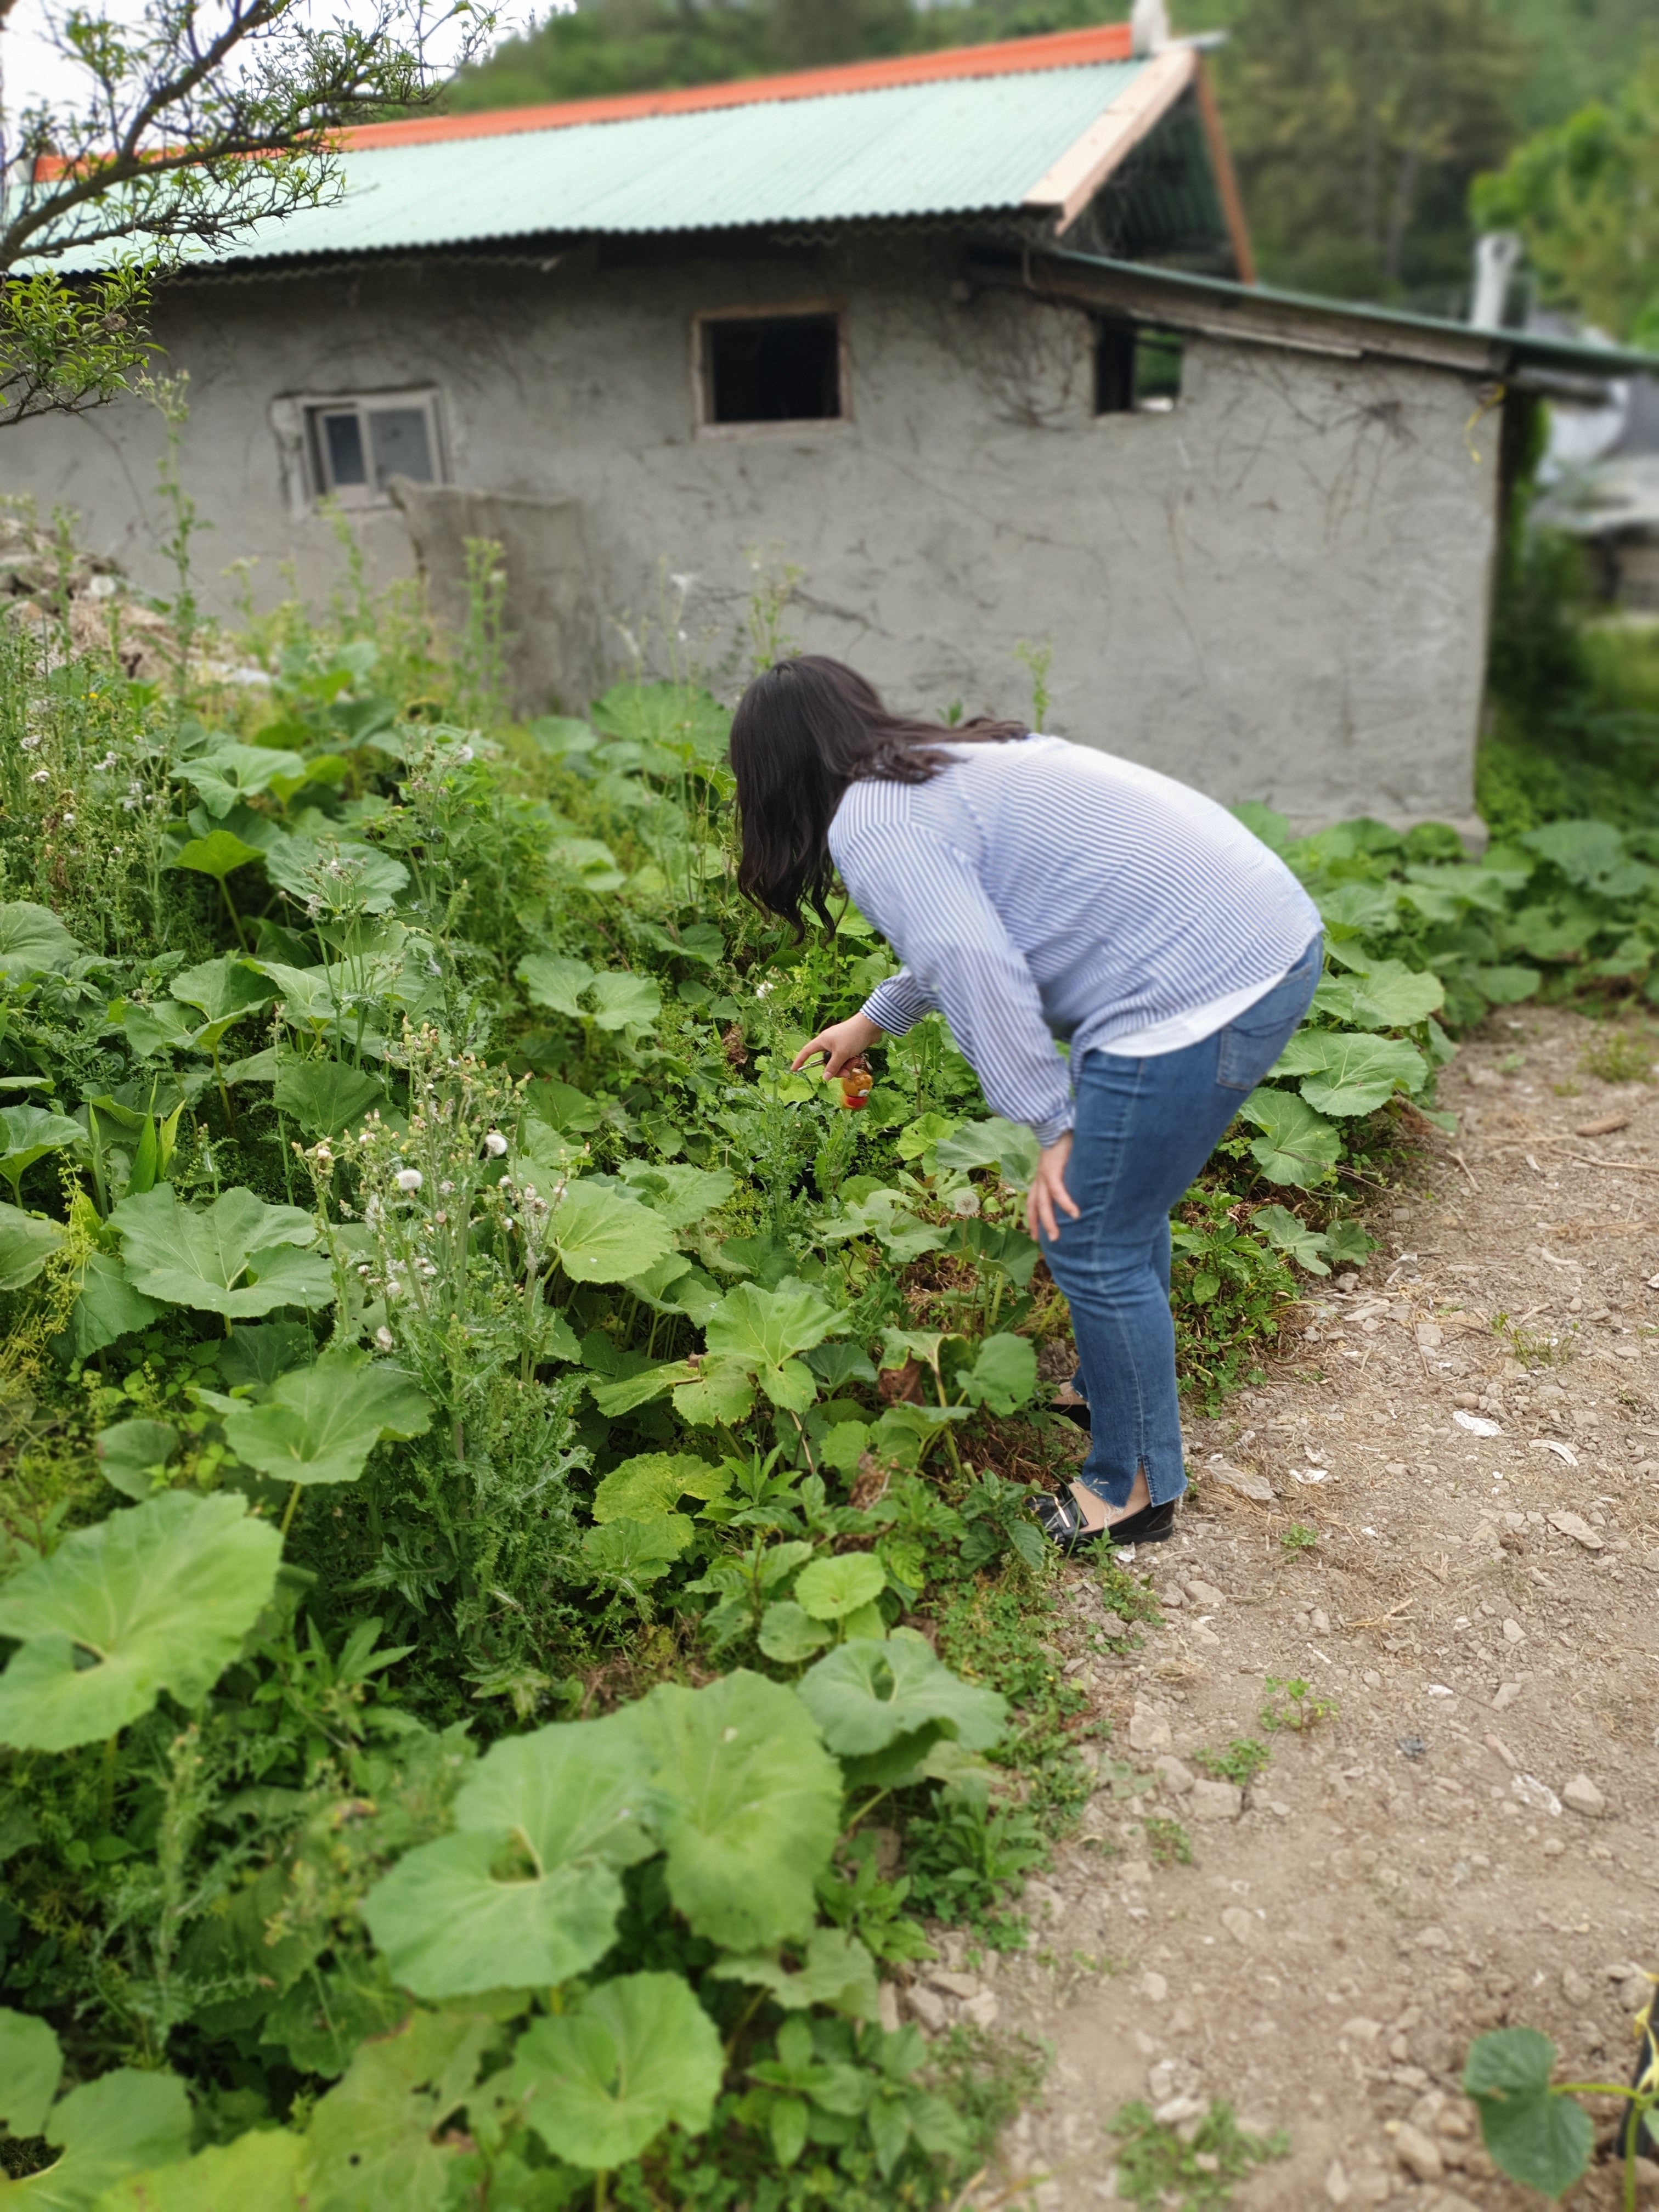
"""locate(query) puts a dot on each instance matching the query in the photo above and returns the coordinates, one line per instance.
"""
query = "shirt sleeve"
(897, 1004)
(927, 898)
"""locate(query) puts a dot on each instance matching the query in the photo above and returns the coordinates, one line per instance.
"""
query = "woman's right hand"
(840, 1042)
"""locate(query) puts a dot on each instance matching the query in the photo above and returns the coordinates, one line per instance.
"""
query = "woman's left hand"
(1049, 1190)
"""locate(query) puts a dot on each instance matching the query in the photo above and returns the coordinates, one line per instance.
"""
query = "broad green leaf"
(554, 980)
(789, 1634)
(632, 1390)
(683, 717)
(603, 1236)
(116, 2125)
(678, 1195)
(527, 1890)
(588, 862)
(837, 1971)
(620, 998)
(831, 1589)
(26, 1241)
(1297, 1146)
(236, 1256)
(654, 1483)
(27, 1133)
(158, 1597)
(1371, 909)
(598, 2085)
(322, 2019)
(31, 2066)
(1003, 1375)
(107, 1308)
(1008, 1146)
(343, 874)
(32, 941)
(721, 1391)
(914, 1141)
(637, 1551)
(748, 1802)
(1287, 1233)
(264, 2171)
(1541, 2139)
(261, 1351)
(843, 1446)
(132, 1454)
(1390, 996)
(232, 773)
(223, 989)
(1504, 986)
(1347, 1245)
(325, 1097)
(1589, 853)
(218, 854)
(161, 1028)
(866, 1695)
(320, 1423)
(1346, 1072)
(374, 2143)
(764, 1328)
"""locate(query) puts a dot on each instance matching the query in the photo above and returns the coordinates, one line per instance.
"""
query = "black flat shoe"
(1061, 1522)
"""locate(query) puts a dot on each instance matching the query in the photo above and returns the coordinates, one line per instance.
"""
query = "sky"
(34, 70)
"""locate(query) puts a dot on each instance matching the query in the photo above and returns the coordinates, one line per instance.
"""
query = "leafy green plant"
(1158, 2166)
(1243, 1759)
(1618, 1055)
(1297, 1538)
(1167, 1842)
(1292, 1704)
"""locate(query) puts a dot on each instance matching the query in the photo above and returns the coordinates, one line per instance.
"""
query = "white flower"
(383, 1337)
(410, 1178)
(30, 745)
(324, 1152)
(463, 752)
(41, 775)
(494, 1144)
(761, 989)
(69, 821)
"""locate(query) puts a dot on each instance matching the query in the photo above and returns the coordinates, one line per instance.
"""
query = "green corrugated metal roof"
(965, 146)
(1588, 357)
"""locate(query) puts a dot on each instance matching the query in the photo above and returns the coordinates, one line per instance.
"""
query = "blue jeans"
(1143, 1129)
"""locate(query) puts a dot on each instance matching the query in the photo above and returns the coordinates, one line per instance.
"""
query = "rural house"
(969, 339)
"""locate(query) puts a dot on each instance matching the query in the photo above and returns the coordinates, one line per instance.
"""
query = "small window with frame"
(356, 444)
(1137, 369)
(769, 368)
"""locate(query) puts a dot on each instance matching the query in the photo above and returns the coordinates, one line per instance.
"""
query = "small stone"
(1507, 1694)
(1433, 1939)
(1338, 2188)
(1176, 1778)
(1322, 1621)
(1279, 1807)
(1360, 2030)
(1247, 1483)
(1205, 1593)
(887, 2006)
(954, 1984)
(1177, 2110)
(1161, 2079)
(1574, 1525)
(1153, 1987)
(982, 2010)
(1214, 1801)
(926, 2006)
(1418, 2156)
(1583, 1795)
(1149, 1729)
(1554, 1848)
(1371, 1679)
(1243, 1926)
(1513, 1632)
(1395, 1467)
(1574, 1988)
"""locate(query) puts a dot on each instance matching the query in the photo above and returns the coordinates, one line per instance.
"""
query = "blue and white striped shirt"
(1039, 890)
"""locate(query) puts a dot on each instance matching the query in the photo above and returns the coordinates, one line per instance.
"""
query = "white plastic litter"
(1539, 1795)
(1308, 1475)
(1562, 1451)
(1477, 1424)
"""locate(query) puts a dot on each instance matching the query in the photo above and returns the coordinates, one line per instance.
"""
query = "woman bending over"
(1037, 890)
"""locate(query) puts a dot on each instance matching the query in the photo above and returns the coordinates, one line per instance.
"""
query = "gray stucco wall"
(1278, 591)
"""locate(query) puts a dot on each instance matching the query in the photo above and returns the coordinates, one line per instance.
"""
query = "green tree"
(1356, 126)
(1584, 196)
(187, 123)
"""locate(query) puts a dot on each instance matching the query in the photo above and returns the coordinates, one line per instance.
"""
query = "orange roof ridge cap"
(1103, 42)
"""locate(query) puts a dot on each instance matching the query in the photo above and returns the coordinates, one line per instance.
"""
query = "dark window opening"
(357, 444)
(772, 369)
(1136, 371)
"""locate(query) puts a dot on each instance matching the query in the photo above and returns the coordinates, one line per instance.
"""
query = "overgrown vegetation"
(518, 1594)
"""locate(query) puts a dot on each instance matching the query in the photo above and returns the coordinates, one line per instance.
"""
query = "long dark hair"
(804, 730)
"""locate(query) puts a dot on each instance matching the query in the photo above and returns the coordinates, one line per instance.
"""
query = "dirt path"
(1481, 1609)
